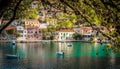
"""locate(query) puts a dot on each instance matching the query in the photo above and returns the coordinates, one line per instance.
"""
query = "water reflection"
(47, 50)
(43, 56)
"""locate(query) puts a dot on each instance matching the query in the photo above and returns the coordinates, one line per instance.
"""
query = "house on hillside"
(32, 23)
(29, 33)
(87, 32)
(64, 35)
(33, 33)
(43, 25)
(22, 33)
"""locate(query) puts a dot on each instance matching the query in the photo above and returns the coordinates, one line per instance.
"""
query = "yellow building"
(32, 23)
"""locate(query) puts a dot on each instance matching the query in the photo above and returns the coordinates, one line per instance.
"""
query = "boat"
(9, 56)
(13, 42)
(60, 53)
(69, 45)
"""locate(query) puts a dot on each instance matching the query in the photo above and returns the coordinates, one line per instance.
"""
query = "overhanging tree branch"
(13, 17)
(85, 17)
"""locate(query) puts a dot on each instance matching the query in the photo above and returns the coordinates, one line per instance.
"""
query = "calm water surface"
(43, 55)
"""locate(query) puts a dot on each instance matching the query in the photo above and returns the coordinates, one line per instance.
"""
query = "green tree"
(94, 13)
(77, 36)
(66, 21)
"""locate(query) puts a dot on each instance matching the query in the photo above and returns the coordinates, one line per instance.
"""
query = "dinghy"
(69, 45)
(60, 53)
(13, 42)
(9, 56)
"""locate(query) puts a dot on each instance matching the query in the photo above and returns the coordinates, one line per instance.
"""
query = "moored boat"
(9, 56)
(60, 53)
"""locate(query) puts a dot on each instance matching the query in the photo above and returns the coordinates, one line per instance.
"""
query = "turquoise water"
(77, 55)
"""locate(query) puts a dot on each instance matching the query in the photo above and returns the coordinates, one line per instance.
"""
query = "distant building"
(64, 35)
(22, 33)
(43, 25)
(87, 32)
(32, 23)
(33, 33)
(84, 30)
(16, 23)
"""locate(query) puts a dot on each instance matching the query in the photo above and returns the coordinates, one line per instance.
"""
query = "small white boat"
(60, 53)
(9, 56)
(13, 42)
(69, 45)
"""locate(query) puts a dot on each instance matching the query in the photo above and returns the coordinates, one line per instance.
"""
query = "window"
(36, 32)
(26, 22)
(20, 31)
(66, 33)
(70, 35)
(21, 35)
(19, 28)
(39, 31)
(24, 31)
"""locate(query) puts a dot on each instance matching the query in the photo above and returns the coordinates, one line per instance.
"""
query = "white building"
(22, 32)
(16, 23)
(64, 35)
(43, 25)
(87, 32)
(84, 30)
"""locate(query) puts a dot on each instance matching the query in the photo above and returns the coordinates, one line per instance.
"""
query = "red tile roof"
(65, 31)
(9, 28)
(86, 28)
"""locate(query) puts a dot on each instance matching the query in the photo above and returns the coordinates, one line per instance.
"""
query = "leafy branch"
(13, 17)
